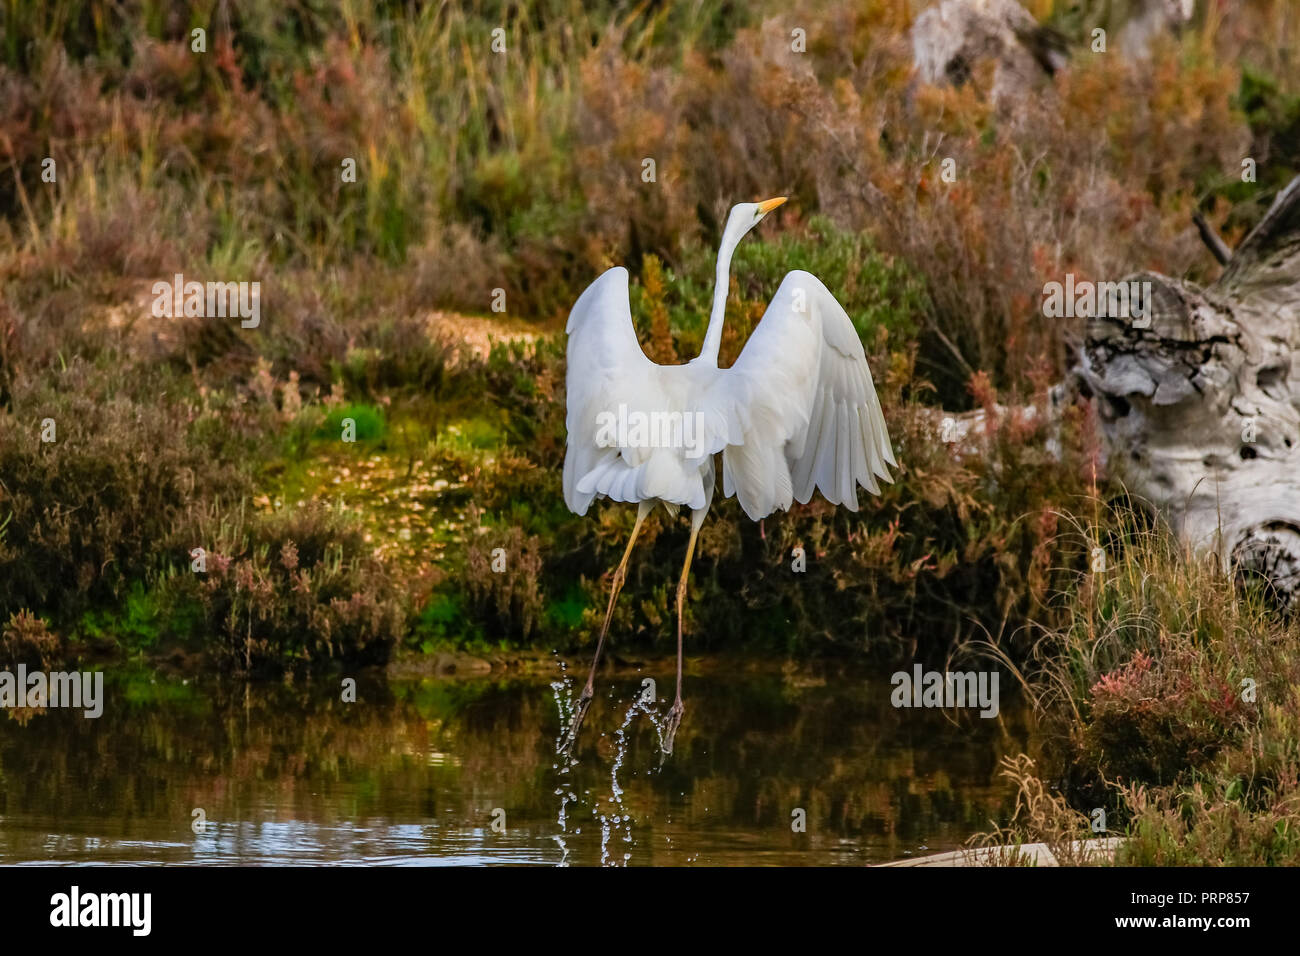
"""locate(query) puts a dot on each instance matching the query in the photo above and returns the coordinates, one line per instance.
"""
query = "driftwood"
(1198, 402)
(950, 38)
(1198, 398)
(1200, 411)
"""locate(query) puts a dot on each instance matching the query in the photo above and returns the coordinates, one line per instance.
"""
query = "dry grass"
(1174, 692)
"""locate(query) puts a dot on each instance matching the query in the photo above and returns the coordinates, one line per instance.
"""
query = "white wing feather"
(809, 412)
(797, 412)
(607, 371)
(603, 356)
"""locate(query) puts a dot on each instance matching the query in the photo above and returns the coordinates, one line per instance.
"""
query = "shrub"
(502, 580)
(26, 639)
(98, 507)
(295, 590)
(1172, 696)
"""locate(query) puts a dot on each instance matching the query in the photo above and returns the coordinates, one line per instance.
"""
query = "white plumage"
(797, 412)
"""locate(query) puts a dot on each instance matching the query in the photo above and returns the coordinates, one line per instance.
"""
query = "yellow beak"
(769, 204)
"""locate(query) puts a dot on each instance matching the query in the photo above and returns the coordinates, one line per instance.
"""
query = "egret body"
(797, 412)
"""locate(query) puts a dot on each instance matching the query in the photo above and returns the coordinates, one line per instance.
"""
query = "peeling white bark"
(1201, 410)
(1198, 399)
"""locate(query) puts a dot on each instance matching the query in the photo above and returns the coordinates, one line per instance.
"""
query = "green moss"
(367, 421)
(567, 611)
(136, 625)
(440, 623)
(475, 433)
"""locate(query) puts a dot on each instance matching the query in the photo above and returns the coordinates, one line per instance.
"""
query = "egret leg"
(589, 691)
(676, 711)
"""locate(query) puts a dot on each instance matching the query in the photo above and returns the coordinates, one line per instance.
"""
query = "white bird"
(796, 412)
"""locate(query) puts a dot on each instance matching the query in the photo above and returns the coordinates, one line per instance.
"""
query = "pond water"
(464, 771)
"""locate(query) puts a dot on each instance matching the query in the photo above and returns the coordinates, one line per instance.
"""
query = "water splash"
(562, 690)
(566, 797)
(619, 819)
(615, 818)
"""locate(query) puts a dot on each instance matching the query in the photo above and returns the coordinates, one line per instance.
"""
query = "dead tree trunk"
(1199, 401)
(1199, 397)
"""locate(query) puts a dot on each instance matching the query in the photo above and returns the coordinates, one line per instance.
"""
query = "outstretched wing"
(609, 375)
(806, 405)
(605, 364)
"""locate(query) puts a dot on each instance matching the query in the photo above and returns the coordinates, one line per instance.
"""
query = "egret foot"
(575, 724)
(670, 727)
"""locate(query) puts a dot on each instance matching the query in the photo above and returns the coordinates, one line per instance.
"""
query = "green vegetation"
(1176, 690)
(521, 172)
(367, 423)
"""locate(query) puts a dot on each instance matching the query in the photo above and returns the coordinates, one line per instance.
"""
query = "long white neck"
(721, 285)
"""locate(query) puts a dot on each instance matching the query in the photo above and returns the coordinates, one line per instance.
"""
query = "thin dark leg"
(589, 691)
(675, 713)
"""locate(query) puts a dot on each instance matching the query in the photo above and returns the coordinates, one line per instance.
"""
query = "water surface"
(464, 772)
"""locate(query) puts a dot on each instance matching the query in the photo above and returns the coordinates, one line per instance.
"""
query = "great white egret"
(797, 411)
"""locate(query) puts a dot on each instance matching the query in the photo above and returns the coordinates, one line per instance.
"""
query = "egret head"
(744, 217)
